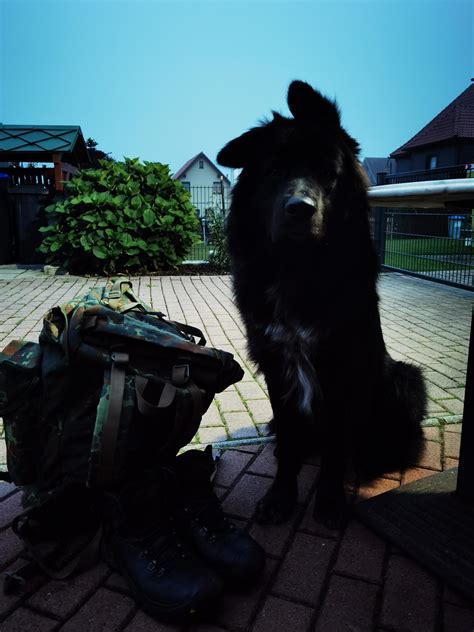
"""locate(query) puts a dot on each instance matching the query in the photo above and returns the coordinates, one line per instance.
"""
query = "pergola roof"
(36, 143)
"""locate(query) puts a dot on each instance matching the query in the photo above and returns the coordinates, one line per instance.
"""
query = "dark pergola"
(62, 145)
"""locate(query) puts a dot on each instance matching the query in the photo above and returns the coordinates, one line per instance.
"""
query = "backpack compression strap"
(192, 331)
(189, 407)
(111, 424)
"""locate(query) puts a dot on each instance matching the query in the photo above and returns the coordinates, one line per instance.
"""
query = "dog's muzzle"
(297, 219)
(299, 207)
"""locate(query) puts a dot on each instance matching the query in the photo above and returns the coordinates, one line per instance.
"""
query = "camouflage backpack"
(111, 388)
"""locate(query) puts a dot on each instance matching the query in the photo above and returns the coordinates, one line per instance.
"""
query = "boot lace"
(207, 513)
(163, 547)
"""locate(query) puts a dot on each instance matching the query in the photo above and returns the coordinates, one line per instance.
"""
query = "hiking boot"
(141, 542)
(199, 516)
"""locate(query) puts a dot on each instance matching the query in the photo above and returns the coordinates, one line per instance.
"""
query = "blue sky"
(165, 80)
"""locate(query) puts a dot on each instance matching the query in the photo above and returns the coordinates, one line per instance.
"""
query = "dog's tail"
(393, 437)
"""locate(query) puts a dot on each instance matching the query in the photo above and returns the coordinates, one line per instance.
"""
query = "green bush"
(123, 217)
(218, 256)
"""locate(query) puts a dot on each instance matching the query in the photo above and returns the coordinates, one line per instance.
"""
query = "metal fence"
(426, 229)
(437, 245)
(434, 243)
(208, 202)
(440, 173)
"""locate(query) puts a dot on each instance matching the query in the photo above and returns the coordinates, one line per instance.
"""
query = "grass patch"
(199, 252)
(420, 264)
(415, 255)
(429, 246)
(421, 255)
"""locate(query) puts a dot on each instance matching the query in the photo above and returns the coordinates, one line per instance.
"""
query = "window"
(216, 187)
(186, 185)
(431, 162)
(201, 164)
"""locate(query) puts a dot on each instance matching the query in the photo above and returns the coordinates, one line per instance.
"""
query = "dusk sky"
(165, 80)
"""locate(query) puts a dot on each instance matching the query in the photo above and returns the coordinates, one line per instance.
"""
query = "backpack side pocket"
(20, 366)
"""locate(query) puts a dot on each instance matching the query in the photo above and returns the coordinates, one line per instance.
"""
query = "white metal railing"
(427, 194)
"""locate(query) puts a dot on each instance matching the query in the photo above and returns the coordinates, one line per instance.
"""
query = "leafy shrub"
(123, 217)
(219, 256)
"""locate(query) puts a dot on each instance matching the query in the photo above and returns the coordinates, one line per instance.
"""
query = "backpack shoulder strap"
(56, 558)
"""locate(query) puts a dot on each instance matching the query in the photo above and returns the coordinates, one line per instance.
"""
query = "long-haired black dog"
(305, 274)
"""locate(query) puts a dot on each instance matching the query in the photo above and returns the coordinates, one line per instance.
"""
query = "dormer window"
(431, 162)
(201, 164)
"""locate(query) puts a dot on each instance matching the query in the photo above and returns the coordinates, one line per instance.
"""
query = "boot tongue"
(147, 501)
(193, 473)
(194, 469)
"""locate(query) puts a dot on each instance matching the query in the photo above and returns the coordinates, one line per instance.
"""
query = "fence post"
(380, 225)
(222, 196)
(465, 483)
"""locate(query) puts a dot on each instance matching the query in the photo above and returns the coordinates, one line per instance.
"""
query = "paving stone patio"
(315, 579)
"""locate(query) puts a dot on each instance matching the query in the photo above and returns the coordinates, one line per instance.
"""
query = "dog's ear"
(352, 143)
(242, 150)
(305, 103)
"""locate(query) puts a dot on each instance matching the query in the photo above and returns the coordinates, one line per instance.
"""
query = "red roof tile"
(455, 121)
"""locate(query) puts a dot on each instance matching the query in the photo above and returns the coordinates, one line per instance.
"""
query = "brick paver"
(316, 578)
(349, 605)
(410, 596)
(368, 567)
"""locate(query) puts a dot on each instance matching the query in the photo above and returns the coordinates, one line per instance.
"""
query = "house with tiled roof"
(199, 171)
(442, 148)
(377, 169)
(208, 186)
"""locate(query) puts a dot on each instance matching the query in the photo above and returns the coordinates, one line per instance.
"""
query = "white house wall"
(200, 177)
(201, 182)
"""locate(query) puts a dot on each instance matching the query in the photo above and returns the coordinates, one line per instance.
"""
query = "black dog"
(305, 275)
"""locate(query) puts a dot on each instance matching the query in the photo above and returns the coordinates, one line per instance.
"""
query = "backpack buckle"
(180, 374)
(119, 357)
(116, 290)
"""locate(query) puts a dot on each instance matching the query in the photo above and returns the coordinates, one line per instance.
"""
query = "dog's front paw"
(276, 506)
(331, 511)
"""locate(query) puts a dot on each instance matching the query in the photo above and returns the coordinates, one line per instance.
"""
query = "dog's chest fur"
(296, 347)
